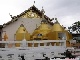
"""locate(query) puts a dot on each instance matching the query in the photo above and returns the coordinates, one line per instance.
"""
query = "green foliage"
(75, 27)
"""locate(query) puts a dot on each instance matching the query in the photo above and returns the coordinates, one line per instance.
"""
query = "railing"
(25, 43)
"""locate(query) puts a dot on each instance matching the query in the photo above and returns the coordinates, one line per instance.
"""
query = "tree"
(75, 27)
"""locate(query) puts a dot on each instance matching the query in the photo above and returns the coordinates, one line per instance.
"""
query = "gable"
(32, 12)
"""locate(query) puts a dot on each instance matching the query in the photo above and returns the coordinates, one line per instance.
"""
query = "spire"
(43, 19)
(42, 13)
(21, 25)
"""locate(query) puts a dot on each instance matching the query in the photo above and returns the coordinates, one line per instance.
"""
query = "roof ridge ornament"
(42, 13)
(43, 19)
(34, 3)
(10, 15)
(21, 25)
(56, 21)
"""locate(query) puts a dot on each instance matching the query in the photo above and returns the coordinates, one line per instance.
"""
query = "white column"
(45, 44)
(54, 44)
(33, 44)
(60, 43)
(23, 43)
(50, 44)
(13, 45)
(26, 44)
(6, 45)
(65, 43)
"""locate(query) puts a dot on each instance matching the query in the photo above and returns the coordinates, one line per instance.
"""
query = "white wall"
(30, 25)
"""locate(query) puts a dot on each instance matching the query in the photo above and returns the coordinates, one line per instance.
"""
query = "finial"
(42, 7)
(34, 2)
(21, 25)
(22, 22)
(42, 10)
(42, 13)
(56, 20)
(10, 15)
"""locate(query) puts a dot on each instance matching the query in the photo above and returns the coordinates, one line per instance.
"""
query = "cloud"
(64, 7)
(69, 20)
(67, 11)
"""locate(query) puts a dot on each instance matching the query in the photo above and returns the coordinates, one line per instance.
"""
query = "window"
(39, 35)
(61, 36)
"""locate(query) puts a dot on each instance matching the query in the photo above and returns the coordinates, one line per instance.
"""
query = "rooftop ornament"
(34, 2)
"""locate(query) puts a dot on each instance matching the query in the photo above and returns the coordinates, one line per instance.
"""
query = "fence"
(32, 53)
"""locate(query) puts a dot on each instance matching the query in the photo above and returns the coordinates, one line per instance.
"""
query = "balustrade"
(25, 43)
(33, 52)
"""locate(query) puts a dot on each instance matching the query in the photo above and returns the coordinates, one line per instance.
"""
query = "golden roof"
(44, 26)
(42, 29)
(57, 27)
(69, 35)
(21, 29)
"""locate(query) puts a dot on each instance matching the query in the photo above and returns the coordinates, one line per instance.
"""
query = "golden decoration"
(42, 29)
(5, 37)
(30, 14)
(54, 34)
(21, 34)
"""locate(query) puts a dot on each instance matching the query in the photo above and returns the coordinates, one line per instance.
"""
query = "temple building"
(32, 24)
(31, 19)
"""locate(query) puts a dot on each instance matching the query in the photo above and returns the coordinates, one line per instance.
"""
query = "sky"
(66, 11)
